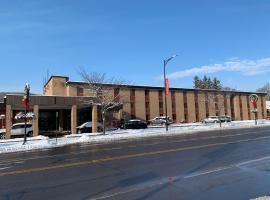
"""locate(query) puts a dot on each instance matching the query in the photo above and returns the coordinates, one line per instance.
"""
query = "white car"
(18, 130)
(211, 119)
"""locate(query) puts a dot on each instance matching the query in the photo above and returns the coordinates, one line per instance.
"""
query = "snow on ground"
(262, 198)
(42, 142)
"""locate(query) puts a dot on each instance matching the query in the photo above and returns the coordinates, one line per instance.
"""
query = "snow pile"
(262, 198)
(42, 142)
(84, 138)
(13, 145)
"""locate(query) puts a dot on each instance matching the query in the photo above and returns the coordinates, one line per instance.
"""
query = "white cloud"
(245, 67)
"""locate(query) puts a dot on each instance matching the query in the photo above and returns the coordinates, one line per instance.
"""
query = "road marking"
(129, 146)
(253, 161)
(58, 155)
(10, 162)
(2, 168)
(89, 162)
(173, 179)
(208, 172)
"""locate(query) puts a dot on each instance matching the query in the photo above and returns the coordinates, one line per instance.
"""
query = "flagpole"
(26, 103)
(24, 138)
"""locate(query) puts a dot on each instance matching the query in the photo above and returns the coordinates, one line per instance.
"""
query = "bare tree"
(218, 102)
(106, 92)
(266, 89)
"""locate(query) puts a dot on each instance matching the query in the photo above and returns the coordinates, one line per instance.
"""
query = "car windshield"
(18, 126)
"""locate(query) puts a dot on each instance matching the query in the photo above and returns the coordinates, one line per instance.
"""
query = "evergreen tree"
(216, 84)
(209, 84)
(196, 82)
(206, 83)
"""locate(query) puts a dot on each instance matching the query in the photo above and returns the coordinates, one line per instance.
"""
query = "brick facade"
(184, 105)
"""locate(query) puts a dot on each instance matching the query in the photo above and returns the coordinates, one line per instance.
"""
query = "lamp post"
(2, 117)
(165, 62)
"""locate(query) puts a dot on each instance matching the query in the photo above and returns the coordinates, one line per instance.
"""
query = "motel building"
(63, 105)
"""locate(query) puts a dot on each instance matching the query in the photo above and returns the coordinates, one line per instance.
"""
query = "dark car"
(135, 124)
(225, 118)
(87, 127)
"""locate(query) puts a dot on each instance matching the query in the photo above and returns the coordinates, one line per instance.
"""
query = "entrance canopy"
(50, 102)
(55, 110)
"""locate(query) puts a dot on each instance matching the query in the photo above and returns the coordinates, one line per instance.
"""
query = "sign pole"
(25, 101)
(24, 138)
(253, 98)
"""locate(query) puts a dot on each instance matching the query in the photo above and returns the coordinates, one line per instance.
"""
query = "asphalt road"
(231, 164)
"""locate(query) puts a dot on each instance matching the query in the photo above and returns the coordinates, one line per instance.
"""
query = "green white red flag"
(26, 96)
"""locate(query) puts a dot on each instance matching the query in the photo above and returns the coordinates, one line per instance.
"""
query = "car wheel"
(30, 134)
(3, 136)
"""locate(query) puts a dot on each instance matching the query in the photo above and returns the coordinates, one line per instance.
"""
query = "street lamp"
(165, 62)
(2, 117)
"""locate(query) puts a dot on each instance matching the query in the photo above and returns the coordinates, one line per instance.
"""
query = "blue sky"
(127, 39)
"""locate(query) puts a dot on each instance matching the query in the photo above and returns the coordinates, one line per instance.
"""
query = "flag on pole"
(166, 86)
(26, 95)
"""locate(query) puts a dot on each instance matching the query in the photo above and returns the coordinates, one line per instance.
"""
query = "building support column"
(73, 119)
(236, 106)
(9, 115)
(119, 115)
(94, 119)
(35, 121)
(61, 121)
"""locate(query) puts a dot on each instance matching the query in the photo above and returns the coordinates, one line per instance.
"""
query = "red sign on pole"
(254, 103)
(166, 86)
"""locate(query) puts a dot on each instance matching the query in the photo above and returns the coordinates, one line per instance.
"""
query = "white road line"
(253, 161)
(2, 168)
(208, 172)
(228, 167)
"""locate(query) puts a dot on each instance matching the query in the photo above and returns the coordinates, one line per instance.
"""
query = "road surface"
(229, 164)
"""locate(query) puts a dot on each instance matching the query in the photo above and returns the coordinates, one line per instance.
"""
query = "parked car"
(160, 120)
(211, 119)
(134, 124)
(2, 133)
(87, 127)
(225, 118)
(18, 130)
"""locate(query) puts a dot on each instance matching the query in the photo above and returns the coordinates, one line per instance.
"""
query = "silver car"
(211, 119)
(160, 120)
